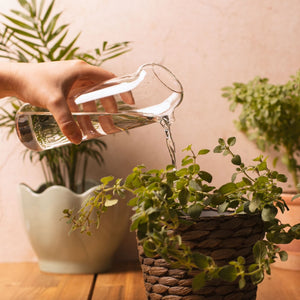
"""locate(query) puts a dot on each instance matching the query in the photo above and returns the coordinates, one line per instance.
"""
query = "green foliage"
(270, 116)
(165, 199)
(7, 116)
(33, 34)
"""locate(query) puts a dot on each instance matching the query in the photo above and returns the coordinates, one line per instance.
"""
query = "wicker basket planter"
(222, 237)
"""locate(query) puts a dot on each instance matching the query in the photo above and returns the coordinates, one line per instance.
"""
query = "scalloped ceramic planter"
(61, 252)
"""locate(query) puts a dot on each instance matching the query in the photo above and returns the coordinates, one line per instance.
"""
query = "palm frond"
(65, 50)
(44, 19)
(109, 51)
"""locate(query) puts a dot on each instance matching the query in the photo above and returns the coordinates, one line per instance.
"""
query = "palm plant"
(33, 34)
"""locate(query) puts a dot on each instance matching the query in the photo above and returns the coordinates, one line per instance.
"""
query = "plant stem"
(85, 163)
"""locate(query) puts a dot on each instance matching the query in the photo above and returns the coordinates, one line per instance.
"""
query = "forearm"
(8, 79)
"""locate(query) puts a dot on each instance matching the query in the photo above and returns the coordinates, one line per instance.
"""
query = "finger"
(106, 121)
(63, 116)
(127, 97)
(107, 124)
(94, 126)
(109, 104)
(86, 123)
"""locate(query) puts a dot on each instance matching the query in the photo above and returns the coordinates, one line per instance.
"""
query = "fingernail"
(75, 138)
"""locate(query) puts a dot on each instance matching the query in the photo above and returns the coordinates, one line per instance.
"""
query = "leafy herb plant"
(270, 116)
(164, 199)
(33, 34)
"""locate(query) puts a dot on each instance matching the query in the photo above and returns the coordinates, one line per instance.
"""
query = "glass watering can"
(156, 93)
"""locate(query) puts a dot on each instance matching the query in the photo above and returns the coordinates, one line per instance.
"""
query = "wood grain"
(125, 282)
(24, 281)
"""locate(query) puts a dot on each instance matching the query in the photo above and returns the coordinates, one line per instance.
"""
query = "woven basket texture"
(222, 237)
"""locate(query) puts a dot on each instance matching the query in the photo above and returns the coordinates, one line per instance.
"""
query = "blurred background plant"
(33, 34)
(270, 116)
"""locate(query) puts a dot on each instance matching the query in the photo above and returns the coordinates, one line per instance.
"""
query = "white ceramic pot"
(60, 251)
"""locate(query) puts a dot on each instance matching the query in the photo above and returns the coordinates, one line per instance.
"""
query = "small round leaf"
(236, 160)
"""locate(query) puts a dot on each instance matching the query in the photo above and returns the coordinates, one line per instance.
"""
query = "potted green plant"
(270, 116)
(197, 240)
(33, 34)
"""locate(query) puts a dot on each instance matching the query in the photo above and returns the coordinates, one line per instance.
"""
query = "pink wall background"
(207, 43)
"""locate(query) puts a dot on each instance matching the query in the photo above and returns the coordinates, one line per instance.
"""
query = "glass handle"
(111, 90)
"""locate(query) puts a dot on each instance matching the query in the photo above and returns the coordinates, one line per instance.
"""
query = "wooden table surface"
(24, 281)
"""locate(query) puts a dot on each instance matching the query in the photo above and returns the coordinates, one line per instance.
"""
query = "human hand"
(54, 85)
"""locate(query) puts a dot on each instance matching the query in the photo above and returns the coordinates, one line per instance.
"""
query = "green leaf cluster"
(34, 33)
(270, 116)
(168, 198)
